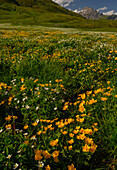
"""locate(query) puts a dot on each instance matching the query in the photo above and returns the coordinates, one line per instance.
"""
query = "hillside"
(48, 13)
(37, 12)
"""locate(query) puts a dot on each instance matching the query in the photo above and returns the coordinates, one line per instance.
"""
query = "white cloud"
(63, 1)
(102, 9)
(112, 12)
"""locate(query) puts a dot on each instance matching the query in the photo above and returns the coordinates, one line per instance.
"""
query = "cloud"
(63, 1)
(102, 9)
(112, 12)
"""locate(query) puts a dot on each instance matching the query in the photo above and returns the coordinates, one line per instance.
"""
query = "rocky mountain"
(90, 13)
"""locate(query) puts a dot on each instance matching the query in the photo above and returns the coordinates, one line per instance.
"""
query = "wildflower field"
(58, 100)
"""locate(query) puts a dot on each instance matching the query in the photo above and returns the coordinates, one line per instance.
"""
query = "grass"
(49, 14)
(58, 99)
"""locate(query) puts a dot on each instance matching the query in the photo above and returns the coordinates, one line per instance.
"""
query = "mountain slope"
(47, 13)
(37, 12)
(90, 13)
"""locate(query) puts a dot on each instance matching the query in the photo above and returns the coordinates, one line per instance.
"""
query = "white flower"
(45, 99)
(25, 134)
(15, 166)
(9, 156)
(27, 107)
(19, 151)
(1, 130)
(37, 120)
(33, 138)
(6, 92)
(37, 107)
(46, 88)
(18, 101)
(40, 164)
(55, 108)
(63, 100)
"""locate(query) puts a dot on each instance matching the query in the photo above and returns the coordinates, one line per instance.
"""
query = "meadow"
(58, 100)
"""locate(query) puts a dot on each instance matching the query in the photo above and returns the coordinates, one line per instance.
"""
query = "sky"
(102, 6)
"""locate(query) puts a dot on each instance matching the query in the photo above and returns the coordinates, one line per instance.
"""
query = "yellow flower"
(103, 98)
(8, 118)
(75, 131)
(81, 136)
(55, 154)
(83, 96)
(38, 156)
(15, 117)
(22, 79)
(71, 167)
(88, 131)
(8, 126)
(39, 132)
(56, 159)
(71, 135)
(35, 124)
(65, 107)
(70, 147)
(81, 109)
(93, 148)
(64, 132)
(95, 129)
(71, 141)
(54, 142)
(86, 148)
(92, 101)
(47, 167)
(26, 126)
(89, 140)
(35, 80)
(46, 154)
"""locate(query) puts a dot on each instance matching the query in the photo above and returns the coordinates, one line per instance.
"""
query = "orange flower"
(34, 124)
(64, 132)
(81, 136)
(92, 101)
(93, 148)
(71, 167)
(86, 148)
(88, 131)
(54, 142)
(81, 109)
(46, 154)
(95, 129)
(71, 135)
(38, 156)
(26, 126)
(39, 132)
(35, 80)
(71, 141)
(75, 131)
(8, 126)
(56, 159)
(70, 147)
(47, 167)
(65, 107)
(8, 118)
(83, 96)
(55, 154)
(103, 98)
